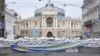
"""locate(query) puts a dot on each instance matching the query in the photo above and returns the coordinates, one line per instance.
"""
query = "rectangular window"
(49, 25)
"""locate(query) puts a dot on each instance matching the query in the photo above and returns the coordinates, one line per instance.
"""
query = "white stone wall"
(64, 27)
(91, 11)
(9, 24)
(61, 27)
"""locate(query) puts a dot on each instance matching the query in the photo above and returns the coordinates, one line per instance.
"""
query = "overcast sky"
(26, 8)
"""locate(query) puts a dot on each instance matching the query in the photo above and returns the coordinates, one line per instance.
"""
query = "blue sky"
(26, 8)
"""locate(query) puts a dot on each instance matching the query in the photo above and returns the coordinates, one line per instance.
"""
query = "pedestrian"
(81, 37)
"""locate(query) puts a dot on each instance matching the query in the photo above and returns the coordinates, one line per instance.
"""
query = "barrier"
(45, 48)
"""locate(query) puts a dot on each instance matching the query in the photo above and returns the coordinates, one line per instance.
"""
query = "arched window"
(49, 22)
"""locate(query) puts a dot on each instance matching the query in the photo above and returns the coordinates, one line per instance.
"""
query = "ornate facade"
(50, 21)
(91, 16)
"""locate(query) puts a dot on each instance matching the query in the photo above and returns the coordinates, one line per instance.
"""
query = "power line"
(35, 5)
(17, 2)
(22, 4)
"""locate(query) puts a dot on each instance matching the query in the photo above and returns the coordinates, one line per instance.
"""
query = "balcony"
(88, 23)
(96, 20)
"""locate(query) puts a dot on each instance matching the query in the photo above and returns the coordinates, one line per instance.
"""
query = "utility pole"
(43, 0)
(2, 18)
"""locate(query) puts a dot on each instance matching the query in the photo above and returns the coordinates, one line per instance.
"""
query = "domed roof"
(49, 6)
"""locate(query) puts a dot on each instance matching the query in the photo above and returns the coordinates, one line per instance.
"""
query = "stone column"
(70, 24)
(56, 22)
(43, 22)
(75, 25)
(97, 12)
(65, 24)
(93, 14)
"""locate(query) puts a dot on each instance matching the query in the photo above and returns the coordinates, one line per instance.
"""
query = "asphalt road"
(9, 52)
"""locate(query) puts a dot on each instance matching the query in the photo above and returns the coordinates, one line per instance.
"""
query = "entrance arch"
(49, 34)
